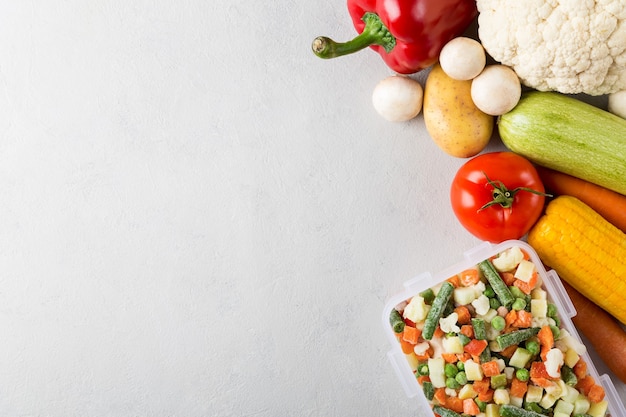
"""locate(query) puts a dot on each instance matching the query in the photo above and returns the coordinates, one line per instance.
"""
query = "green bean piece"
(480, 332)
(445, 412)
(534, 407)
(396, 321)
(429, 390)
(499, 287)
(482, 406)
(436, 310)
(464, 339)
(428, 295)
(514, 338)
(568, 376)
(508, 410)
(485, 355)
(422, 369)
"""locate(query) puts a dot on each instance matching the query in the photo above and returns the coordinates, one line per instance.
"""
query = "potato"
(456, 125)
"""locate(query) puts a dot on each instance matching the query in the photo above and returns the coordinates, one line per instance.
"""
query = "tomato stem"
(503, 196)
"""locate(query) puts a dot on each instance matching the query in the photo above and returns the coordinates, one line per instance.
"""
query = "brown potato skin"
(452, 120)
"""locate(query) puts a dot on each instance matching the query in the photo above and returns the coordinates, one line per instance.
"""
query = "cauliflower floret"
(570, 46)
(481, 305)
(554, 361)
(448, 324)
(508, 259)
(416, 310)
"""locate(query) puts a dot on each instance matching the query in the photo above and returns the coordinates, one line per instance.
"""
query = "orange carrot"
(603, 331)
(475, 347)
(490, 368)
(580, 369)
(510, 318)
(482, 385)
(585, 384)
(470, 407)
(467, 330)
(449, 357)
(440, 395)
(546, 340)
(469, 277)
(423, 378)
(508, 351)
(438, 333)
(508, 278)
(527, 287)
(596, 393)
(455, 281)
(518, 388)
(609, 204)
(486, 396)
(464, 314)
(406, 346)
(454, 404)
(524, 319)
(411, 334)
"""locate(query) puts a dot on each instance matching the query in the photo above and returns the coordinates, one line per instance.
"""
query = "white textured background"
(198, 217)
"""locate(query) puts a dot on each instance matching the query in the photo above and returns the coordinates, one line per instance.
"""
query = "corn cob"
(585, 250)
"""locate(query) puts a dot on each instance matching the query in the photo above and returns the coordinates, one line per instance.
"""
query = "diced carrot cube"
(406, 346)
(469, 277)
(455, 281)
(454, 404)
(470, 407)
(524, 319)
(464, 314)
(580, 369)
(475, 347)
(490, 368)
(423, 378)
(508, 351)
(486, 396)
(481, 385)
(527, 287)
(585, 384)
(449, 357)
(538, 370)
(508, 278)
(440, 396)
(518, 388)
(411, 334)
(546, 340)
(438, 332)
(596, 394)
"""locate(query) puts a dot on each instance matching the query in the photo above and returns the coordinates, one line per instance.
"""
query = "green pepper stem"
(374, 33)
(503, 196)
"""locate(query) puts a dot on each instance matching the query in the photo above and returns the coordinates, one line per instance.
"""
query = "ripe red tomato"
(497, 196)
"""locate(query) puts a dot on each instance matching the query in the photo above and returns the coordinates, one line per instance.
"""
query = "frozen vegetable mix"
(489, 342)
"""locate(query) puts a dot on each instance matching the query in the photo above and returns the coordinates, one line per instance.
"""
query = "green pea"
(522, 374)
(451, 370)
(532, 346)
(498, 323)
(494, 303)
(555, 331)
(461, 378)
(451, 383)
(460, 366)
(519, 304)
(489, 292)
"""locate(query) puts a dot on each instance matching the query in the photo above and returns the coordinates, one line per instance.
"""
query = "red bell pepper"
(408, 34)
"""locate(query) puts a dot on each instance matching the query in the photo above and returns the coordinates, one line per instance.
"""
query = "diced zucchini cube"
(548, 400)
(563, 407)
(539, 308)
(581, 405)
(534, 394)
(520, 358)
(569, 394)
(436, 372)
(598, 409)
(525, 270)
(492, 410)
(516, 401)
(538, 294)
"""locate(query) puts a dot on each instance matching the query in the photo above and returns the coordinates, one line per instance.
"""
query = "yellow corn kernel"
(585, 250)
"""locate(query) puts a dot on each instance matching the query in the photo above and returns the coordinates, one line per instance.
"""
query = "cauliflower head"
(569, 46)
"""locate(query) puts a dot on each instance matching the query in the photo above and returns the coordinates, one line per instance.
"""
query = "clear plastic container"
(551, 284)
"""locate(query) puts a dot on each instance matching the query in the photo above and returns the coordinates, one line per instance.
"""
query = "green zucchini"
(568, 135)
